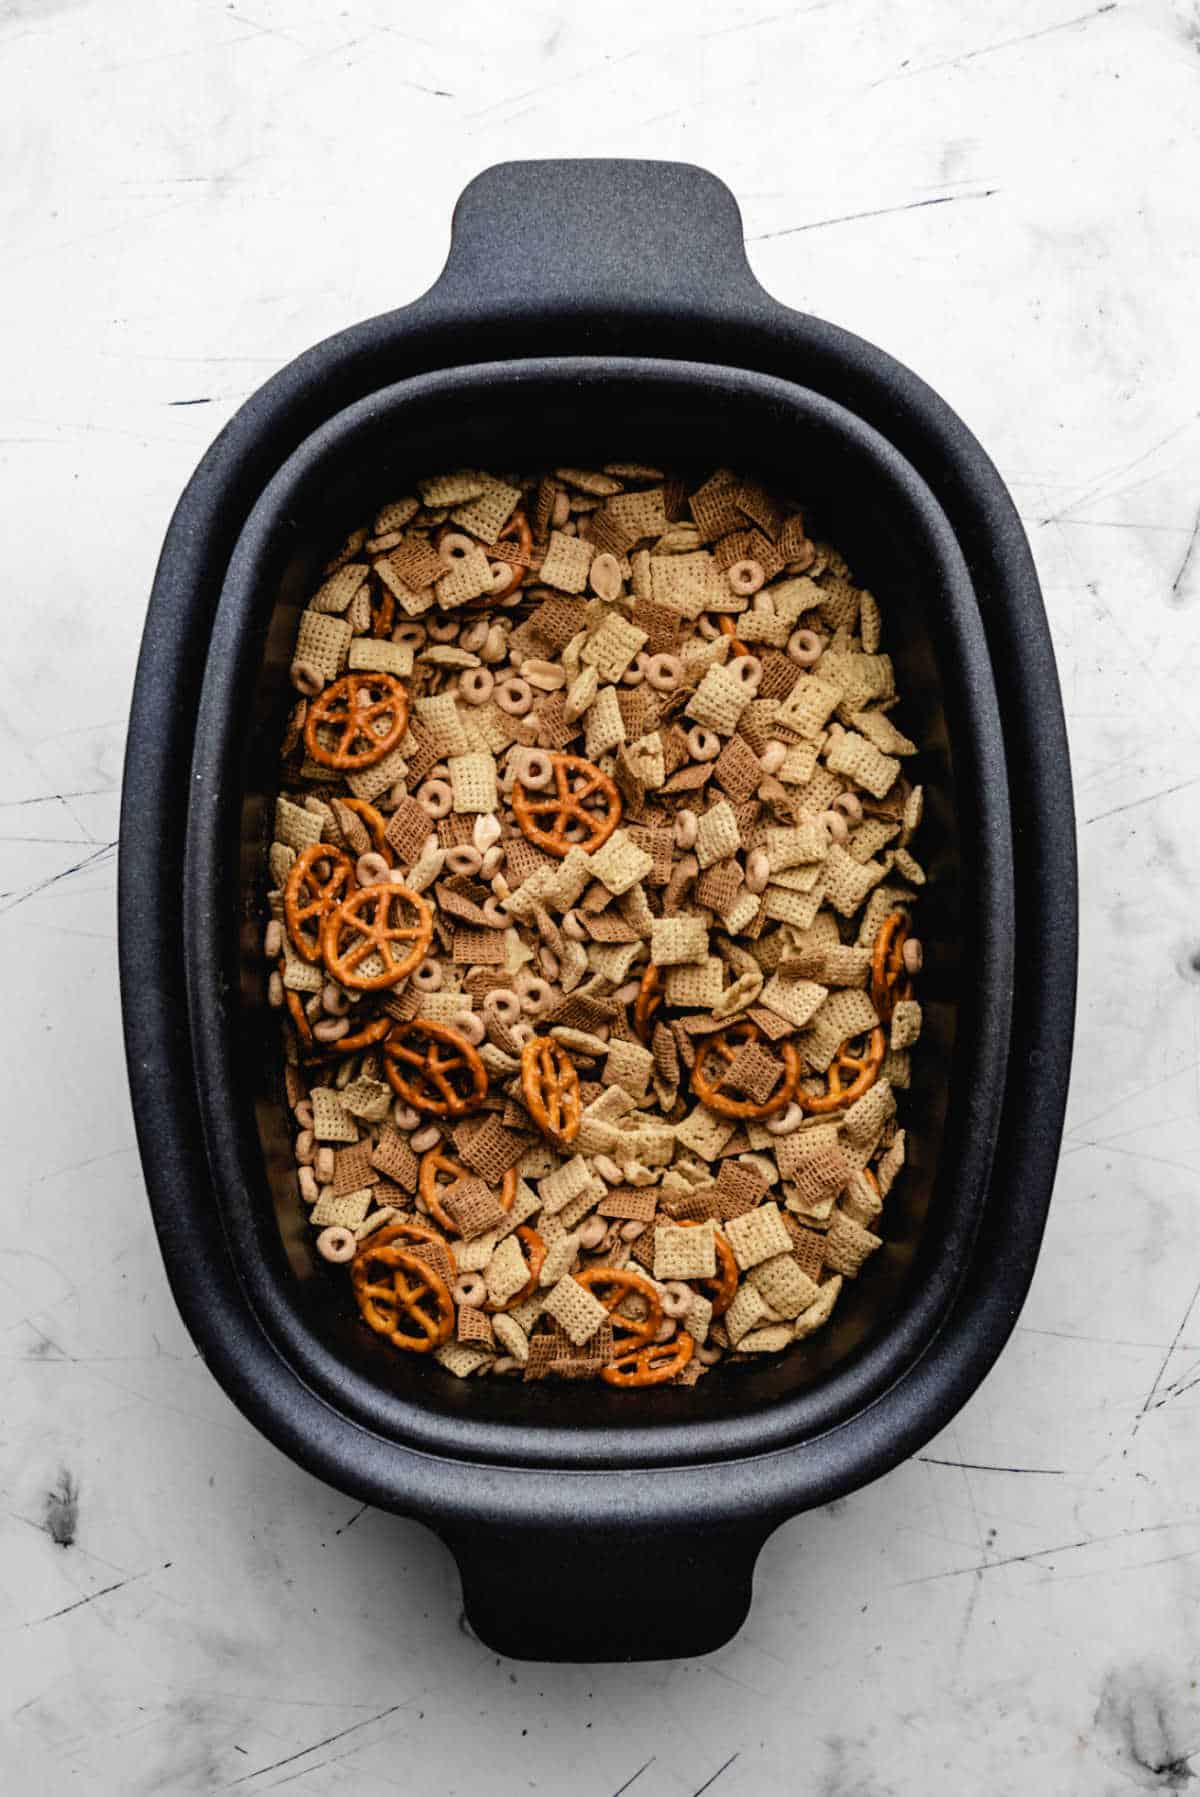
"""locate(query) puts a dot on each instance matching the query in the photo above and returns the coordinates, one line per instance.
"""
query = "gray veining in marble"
(1004, 195)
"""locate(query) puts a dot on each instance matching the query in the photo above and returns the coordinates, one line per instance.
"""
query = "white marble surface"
(1004, 195)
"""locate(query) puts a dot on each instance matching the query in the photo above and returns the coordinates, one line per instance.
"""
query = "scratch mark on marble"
(1150, 1395)
(1148, 799)
(105, 1591)
(77, 1166)
(710, 1782)
(291, 1757)
(846, 218)
(1041, 1553)
(1007, 43)
(621, 1788)
(189, 402)
(353, 1519)
(19, 898)
(1178, 596)
(1098, 486)
(976, 1466)
(604, 66)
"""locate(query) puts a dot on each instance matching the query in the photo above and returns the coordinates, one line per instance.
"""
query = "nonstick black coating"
(870, 503)
(599, 259)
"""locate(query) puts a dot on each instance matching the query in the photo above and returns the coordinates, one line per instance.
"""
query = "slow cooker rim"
(751, 330)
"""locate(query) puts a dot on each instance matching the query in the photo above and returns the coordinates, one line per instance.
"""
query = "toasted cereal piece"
(798, 846)
(911, 869)
(748, 1311)
(796, 1000)
(860, 1201)
(619, 864)
(604, 726)
(487, 512)
(891, 1163)
(848, 1245)
(331, 1121)
(757, 1235)
(468, 578)
(864, 1119)
(348, 1209)
(561, 1256)
(686, 583)
(741, 913)
(574, 1307)
(613, 647)
(573, 1177)
(506, 1272)
(337, 592)
(629, 1066)
(859, 760)
(452, 489)
(473, 783)
(819, 1312)
(388, 658)
(322, 643)
(566, 563)
(906, 1023)
(847, 881)
(462, 1358)
(808, 705)
(704, 1132)
(879, 729)
(719, 700)
(695, 987)
(717, 836)
(510, 1335)
(295, 826)
(685, 1253)
(441, 725)
(679, 939)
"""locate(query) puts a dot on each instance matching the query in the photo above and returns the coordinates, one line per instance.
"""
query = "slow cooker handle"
(587, 1595)
(636, 237)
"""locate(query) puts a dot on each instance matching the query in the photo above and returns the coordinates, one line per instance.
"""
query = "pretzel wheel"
(349, 709)
(726, 624)
(518, 527)
(550, 1086)
(721, 1289)
(706, 1078)
(309, 895)
(376, 825)
(647, 1004)
(361, 926)
(373, 1031)
(400, 1297)
(433, 1068)
(408, 1232)
(852, 1072)
(611, 1286)
(437, 1161)
(889, 980)
(649, 1366)
(567, 806)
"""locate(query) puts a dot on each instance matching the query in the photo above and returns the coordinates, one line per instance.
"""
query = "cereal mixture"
(590, 923)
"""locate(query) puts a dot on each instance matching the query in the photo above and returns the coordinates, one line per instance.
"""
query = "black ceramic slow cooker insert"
(629, 326)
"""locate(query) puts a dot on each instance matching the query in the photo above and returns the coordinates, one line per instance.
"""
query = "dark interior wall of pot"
(846, 501)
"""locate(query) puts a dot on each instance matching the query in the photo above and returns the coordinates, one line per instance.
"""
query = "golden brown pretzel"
(340, 709)
(566, 806)
(706, 1080)
(610, 1286)
(308, 895)
(431, 1053)
(362, 923)
(550, 1086)
(393, 1287)
(375, 822)
(438, 1161)
(889, 980)
(649, 1366)
(861, 1064)
(647, 1004)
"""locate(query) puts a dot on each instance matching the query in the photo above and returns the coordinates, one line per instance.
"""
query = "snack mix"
(590, 908)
